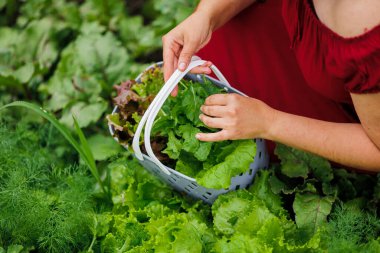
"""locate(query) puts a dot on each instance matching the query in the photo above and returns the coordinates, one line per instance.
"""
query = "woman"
(313, 68)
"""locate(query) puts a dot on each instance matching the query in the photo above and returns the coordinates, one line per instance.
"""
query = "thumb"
(185, 57)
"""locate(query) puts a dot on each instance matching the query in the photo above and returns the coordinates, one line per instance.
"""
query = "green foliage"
(43, 205)
(66, 55)
(311, 211)
(211, 164)
(350, 229)
(313, 190)
(83, 148)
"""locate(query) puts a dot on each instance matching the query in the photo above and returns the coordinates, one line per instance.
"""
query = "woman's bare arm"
(353, 145)
(221, 11)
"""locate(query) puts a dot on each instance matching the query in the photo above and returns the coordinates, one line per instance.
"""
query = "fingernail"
(182, 66)
(197, 136)
(201, 109)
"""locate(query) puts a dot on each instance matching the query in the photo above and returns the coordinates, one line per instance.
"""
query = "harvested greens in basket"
(212, 164)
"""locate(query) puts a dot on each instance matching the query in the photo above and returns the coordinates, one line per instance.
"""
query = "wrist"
(272, 123)
(207, 15)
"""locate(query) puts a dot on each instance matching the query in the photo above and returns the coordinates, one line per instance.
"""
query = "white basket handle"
(155, 107)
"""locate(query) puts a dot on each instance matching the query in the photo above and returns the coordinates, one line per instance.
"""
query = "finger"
(218, 136)
(187, 52)
(201, 70)
(214, 110)
(174, 92)
(217, 99)
(168, 57)
(213, 122)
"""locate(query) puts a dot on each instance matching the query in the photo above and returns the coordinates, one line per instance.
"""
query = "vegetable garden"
(67, 186)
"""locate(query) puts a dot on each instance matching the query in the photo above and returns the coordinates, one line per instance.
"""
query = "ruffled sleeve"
(366, 77)
(332, 65)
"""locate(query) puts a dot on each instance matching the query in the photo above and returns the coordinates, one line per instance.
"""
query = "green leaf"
(85, 113)
(173, 147)
(85, 146)
(188, 132)
(228, 213)
(262, 189)
(238, 161)
(241, 243)
(191, 103)
(296, 163)
(189, 237)
(103, 147)
(311, 210)
(103, 56)
(24, 73)
(203, 151)
(188, 164)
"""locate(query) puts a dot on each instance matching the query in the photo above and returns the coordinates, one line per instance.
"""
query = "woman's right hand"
(181, 43)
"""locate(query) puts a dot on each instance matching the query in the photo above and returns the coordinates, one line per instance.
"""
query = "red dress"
(281, 53)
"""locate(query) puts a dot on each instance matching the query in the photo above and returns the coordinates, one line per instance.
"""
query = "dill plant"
(43, 206)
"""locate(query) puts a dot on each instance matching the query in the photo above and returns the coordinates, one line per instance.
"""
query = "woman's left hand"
(237, 116)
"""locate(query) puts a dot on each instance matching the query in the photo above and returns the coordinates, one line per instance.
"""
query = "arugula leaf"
(174, 146)
(192, 103)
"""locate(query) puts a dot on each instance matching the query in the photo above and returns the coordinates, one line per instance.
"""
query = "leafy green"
(311, 210)
(22, 63)
(219, 175)
(262, 190)
(211, 164)
(295, 163)
(103, 147)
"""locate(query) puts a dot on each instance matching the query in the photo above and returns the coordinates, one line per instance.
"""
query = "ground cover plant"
(67, 186)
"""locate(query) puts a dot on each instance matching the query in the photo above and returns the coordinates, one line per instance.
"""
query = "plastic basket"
(172, 177)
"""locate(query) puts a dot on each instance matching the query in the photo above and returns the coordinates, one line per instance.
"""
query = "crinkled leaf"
(228, 213)
(241, 243)
(262, 189)
(238, 161)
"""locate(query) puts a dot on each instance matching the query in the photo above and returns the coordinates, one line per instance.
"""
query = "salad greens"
(211, 164)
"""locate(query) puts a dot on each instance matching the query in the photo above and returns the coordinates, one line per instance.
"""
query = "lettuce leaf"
(238, 161)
